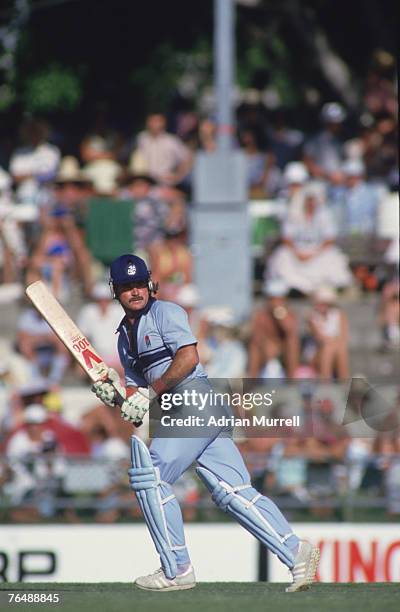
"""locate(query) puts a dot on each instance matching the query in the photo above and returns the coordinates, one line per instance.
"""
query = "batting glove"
(135, 407)
(106, 390)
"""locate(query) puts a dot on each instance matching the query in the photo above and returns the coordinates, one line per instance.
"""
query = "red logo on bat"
(81, 346)
(89, 356)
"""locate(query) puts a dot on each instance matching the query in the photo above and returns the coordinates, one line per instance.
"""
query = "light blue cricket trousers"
(219, 454)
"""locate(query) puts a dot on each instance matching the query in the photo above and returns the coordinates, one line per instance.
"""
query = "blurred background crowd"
(324, 209)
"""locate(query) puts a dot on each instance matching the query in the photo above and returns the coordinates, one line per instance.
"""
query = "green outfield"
(213, 597)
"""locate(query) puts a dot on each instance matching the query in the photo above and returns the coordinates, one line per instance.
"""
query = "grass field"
(209, 597)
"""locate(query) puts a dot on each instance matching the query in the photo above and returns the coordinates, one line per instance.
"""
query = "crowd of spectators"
(335, 239)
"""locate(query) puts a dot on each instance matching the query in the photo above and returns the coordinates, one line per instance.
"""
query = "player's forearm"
(185, 360)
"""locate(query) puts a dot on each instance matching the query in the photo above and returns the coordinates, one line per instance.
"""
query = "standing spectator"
(161, 155)
(274, 335)
(329, 328)
(227, 356)
(308, 256)
(99, 320)
(101, 169)
(72, 190)
(35, 163)
(323, 154)
(13, 249)
(149, 211)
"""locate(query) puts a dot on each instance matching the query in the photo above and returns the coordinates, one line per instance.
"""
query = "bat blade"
(69, 334)
(67, 331)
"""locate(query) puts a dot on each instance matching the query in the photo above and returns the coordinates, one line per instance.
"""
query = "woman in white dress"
(308, 256)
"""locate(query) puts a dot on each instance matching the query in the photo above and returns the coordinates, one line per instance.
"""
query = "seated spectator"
(99, 320)
(380, 93)
(35, 163)
(25, 449)
(308, 257)
(381, 148)
(288, 470)
(13, 251)
(14, 370)
(329, 329)
(274, 339)
(170, 259)
(262, 174)
(389, 314)
(31, 391)
(149, 211)
(359, 203)
(37, 343)
(60, 255)
(294, 179)
(114, 454)
(188, 297)
(323, 153)
(161, 155)
(69, 440)
(283, 142)
(108, 419)
(104, 446)
(226, 354)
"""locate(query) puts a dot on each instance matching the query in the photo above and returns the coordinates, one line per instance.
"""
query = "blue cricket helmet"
(128, 268)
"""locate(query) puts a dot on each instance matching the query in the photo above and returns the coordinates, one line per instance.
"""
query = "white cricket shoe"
(305, 567)
(159, 582)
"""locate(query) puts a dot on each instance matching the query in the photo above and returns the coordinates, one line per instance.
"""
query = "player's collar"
(143, 311)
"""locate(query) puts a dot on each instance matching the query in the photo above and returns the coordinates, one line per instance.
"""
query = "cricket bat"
(69, 333)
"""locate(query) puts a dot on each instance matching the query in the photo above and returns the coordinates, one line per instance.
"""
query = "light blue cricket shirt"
(147, 347)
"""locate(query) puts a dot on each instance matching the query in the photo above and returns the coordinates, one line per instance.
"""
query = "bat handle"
(119, 400)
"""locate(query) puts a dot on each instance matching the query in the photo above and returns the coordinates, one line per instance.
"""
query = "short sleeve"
(173, 324)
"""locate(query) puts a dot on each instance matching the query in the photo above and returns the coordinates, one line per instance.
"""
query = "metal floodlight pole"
(224, 70)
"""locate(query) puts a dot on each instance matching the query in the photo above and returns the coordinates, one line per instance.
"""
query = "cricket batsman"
(158, 353)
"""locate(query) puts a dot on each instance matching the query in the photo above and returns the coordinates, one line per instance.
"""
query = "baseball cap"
(127, 269)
